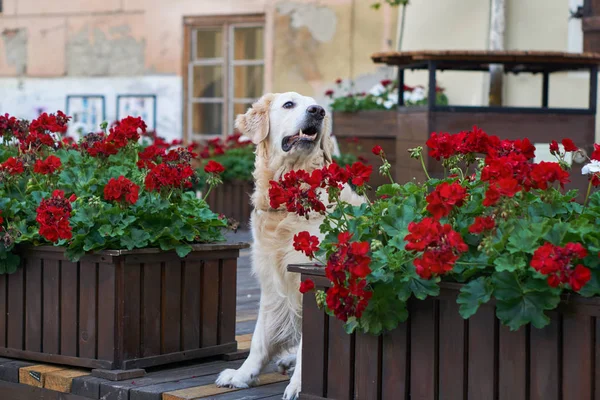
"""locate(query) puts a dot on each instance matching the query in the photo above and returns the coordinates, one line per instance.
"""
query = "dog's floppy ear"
(326, 141)
(255, 123)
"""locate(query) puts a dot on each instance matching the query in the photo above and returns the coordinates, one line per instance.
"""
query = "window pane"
(208, 81)
(209, 43)
(207, 118)
(248, 43)
(248, 81)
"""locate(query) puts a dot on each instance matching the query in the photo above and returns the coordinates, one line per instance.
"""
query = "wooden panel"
(482, 358)
(314, 324)
(3, 309)
(171, 308)
(366, 377)
(87, 309)
(227, 300)
(33, 305)
(395, 363)
(190, 324)
(452, 351)
(210, 303)
(512, 373)
(545, 362)
(51, 307)
(577, 371)
(107, 310)
(413, 131)
(423, 368)
(151, 310)
(69, 313)
(132, 312)
(340, 359)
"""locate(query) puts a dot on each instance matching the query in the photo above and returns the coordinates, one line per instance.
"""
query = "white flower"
(388, 104)
(377, 90)
(591, 168)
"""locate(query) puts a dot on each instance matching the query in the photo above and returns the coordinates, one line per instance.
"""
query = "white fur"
(278, 328)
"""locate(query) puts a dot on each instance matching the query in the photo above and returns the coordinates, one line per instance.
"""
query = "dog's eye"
(289, 104)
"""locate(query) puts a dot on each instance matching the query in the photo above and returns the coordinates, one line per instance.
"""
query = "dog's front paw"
(235, 378)
(287, 364)
(292, 390)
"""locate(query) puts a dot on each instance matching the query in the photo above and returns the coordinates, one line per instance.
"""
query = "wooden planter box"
(376, 127)
(120, 309)
(233, 200)
(438, 355)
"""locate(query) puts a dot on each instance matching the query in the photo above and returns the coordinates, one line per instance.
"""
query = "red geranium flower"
(482, 224)
(213, 167)
(306, 243)
(377, 150)
(569, 145)
(386, 82)
(307, 286)
(13, 166)
(53, 216)
(121, 189)
(554, 147)
(359, 173)
(329, 93)
(47, 166)
(444, 198)
(557, 263)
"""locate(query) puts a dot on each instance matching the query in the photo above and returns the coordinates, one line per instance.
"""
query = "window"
(224, 74)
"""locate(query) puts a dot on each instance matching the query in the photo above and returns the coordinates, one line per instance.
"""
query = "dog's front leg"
(293, 388)
(260, 354)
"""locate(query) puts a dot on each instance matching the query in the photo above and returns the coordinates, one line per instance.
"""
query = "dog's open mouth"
(306, 137)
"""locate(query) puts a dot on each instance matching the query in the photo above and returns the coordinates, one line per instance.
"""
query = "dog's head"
(292, 127)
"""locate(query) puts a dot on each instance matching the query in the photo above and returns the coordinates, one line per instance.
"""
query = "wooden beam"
(36, 374)
(61, 381)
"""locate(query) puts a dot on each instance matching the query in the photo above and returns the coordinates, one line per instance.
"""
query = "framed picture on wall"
(88, 112)
(138, 105)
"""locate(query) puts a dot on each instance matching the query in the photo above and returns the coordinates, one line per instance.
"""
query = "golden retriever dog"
(291, 132)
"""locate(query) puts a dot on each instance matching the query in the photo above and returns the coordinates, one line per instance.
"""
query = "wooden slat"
(87, 309)
(577, 370)
(423, 370)
(33, 305)
(51, 307)
(544, 364)
(512, 372)
(61, 381)
(452, 350)
(36, 375)
(394, 369)
(171, 308)
(340, 359)
(597, 360)
(482, 361)
(107, 310)
(151, 310)
(213, 390)
(210, 302)
(16, 391)
(131, 311)
(3, 309)
(227, 300)
(69, 306)
(190, 324)
(314, 326)
(366, 373)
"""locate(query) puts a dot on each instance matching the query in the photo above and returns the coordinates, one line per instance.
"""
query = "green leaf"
(351, 325)
(183, 250)
(474, 294)
(557, 233)
(509, 262)
(506, 286)
(384, 312)
(138, 238)
(526, 236)
(527, 308)
(421, 288)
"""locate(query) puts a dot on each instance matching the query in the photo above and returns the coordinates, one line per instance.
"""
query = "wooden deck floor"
(185, 381)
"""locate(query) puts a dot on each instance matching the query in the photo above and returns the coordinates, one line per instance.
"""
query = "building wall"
(53, 48)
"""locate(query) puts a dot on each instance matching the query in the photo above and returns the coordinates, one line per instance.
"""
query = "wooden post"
(497, 27)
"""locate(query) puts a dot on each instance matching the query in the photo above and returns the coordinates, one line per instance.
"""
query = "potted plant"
(482, 282)
(109, 259)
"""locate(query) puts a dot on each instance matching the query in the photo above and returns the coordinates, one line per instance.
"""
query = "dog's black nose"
(316, 112)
